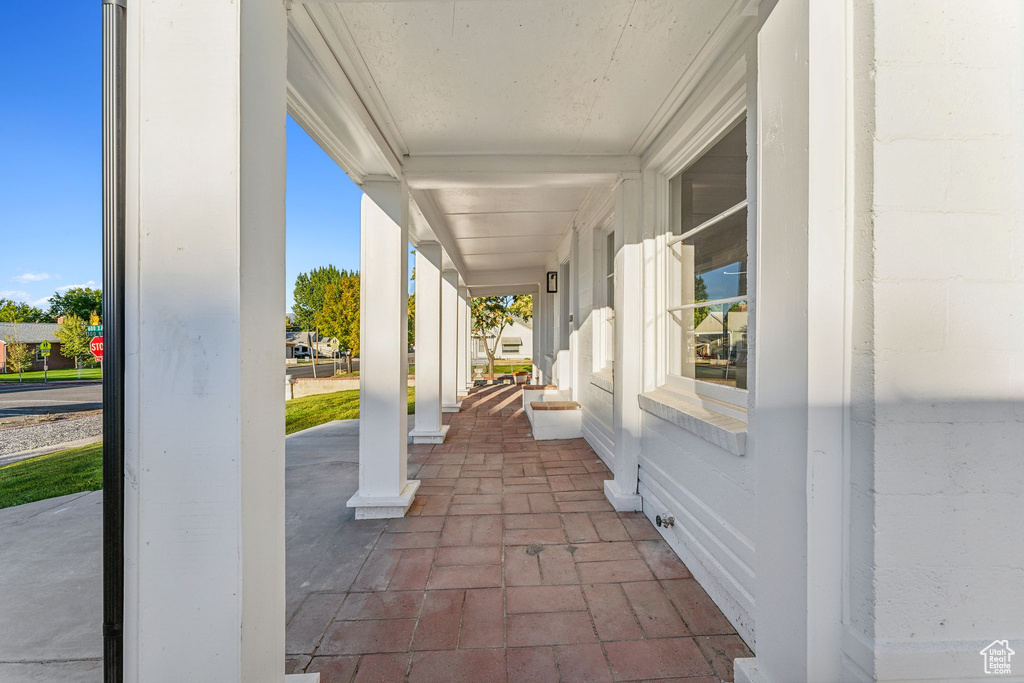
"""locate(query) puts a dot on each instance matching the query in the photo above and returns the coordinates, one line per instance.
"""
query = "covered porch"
(698, 198)
(509, 564)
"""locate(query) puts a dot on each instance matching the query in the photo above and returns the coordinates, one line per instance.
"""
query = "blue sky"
(50, 176)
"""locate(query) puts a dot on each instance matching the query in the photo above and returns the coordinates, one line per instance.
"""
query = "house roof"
(29, 333)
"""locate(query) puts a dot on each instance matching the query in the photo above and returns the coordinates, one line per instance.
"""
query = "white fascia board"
(314, 66)
(509, 171)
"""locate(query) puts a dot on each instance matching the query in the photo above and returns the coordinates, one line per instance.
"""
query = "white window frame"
(730, 99)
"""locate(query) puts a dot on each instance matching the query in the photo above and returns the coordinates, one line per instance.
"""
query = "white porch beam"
(449, 344)
(463, 373)
(204, 594)
(433, 215)
(384, 489)
(517, 278)
(507, 171)
(428, 427)
(622, 490)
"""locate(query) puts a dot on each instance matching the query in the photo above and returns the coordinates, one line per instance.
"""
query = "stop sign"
(96, 346)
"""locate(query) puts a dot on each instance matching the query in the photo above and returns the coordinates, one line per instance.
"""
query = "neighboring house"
(516, 342)
(300, 341)
(33, 334)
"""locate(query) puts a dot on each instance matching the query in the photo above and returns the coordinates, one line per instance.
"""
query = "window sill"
(603, 379)
(722, 430)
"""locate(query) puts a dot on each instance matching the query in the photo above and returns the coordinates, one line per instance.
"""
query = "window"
(511, 345)
(708, 256)
(606, 356)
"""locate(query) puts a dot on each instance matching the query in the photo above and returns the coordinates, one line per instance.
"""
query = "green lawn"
(506, 367)
(310, 411)
(81, 469)
(48, 476)
(54, 375)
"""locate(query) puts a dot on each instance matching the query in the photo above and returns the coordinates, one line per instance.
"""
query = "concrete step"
(555, 419)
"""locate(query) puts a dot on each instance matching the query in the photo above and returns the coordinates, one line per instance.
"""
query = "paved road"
(326, 368)
(42, 399)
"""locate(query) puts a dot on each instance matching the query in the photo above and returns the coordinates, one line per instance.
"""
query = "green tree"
(19, 356)
(74, 339)
(494, 314)
(339, 314)
(412, 319)
(309, 293)
(16, 312)
(700, 293)
(81, 302)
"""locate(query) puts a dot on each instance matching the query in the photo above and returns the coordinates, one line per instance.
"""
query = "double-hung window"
(707, 251)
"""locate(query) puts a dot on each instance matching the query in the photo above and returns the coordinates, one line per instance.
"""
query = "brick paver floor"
(512, 565)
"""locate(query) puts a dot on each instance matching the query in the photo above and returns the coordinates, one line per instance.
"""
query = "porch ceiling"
(504, 116)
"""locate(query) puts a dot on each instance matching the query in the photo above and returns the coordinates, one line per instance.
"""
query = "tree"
(494, 314)
(339, 313)
(15, 312)
(700, 293)
(19, 356)
(81, 302)
(412, 319)
(74, 339)
(309, 293)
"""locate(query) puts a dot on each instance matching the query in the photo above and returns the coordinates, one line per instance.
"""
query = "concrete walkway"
(51, 570)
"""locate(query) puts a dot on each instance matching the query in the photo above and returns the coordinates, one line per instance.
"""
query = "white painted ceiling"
(505, 77)
(525, 76)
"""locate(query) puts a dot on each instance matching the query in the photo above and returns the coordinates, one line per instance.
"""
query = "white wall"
(938, 467)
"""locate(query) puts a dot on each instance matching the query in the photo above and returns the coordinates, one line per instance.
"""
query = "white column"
(428, 427)
(204, 448)
(462, 376)
(798, 399)
(628, 370)
(384, 490)
(449, 340)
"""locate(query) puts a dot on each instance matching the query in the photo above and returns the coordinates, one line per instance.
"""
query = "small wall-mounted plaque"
(552, 281)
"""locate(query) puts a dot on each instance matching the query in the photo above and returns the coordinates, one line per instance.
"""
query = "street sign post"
(44, 351)
(96, 346)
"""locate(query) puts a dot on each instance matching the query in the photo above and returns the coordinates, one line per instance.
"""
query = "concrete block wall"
(937, 467)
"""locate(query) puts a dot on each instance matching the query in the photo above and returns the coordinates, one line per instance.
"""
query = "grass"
(54, 375)
(48, 476)
(81, 469)
(507, 368)
(310, 411)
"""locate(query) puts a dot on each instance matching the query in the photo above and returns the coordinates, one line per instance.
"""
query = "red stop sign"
(96, 346)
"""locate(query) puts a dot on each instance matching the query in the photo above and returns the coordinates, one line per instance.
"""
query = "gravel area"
(49, 433)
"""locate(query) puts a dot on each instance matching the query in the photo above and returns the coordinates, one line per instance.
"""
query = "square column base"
(384, 507)
(451, 407)
(302, 678)
(621, 501)
(430, 437)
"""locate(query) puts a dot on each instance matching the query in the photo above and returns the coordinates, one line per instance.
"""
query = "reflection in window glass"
(709, 254)
(715, 343)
